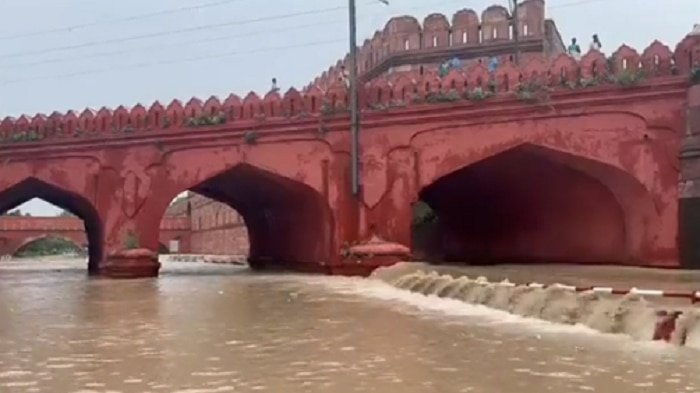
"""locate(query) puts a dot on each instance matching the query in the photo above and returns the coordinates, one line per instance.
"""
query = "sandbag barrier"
(592, 306)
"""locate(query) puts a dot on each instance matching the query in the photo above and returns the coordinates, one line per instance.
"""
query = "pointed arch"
(531, 202)
(289, 223)
(80, 206)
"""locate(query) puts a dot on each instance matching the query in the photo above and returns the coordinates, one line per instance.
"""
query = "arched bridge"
(17, 232)
(554, 161)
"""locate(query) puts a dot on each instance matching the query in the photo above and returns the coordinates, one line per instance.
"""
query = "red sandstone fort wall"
(465, 32)
(216, 228)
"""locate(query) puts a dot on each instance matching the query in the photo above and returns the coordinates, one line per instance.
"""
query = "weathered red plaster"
(589, 174)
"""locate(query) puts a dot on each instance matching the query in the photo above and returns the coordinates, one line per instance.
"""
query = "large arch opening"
(532, 204)
(36, 209)
(247, 213)
(50, 245)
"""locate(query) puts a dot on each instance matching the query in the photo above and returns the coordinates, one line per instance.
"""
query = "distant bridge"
(16, 232)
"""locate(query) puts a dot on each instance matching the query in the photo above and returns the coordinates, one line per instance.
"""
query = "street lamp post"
(354, 109)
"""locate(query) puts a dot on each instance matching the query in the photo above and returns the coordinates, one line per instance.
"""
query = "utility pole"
(354, 109)
(516, 29)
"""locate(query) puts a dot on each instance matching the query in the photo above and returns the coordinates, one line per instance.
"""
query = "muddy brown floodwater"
(211, 328)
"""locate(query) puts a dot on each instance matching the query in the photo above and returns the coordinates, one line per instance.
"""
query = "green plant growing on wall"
(440, 96)
(377, 107)
(610, 63)
(478, 94)
(23, 136)
(532, 92)
(327, 107)
(388, 105)
(695, 74)
(341, 108)
(206, 120)
(130, 241)
(34, 135)
(322, 129)
(628, 78)
(250, 137)
(423, 214)
(581, 83)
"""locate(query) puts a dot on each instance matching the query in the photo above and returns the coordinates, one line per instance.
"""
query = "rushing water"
(212, 328)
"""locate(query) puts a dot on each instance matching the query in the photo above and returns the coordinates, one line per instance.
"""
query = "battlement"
(656, 62)
(405, 42)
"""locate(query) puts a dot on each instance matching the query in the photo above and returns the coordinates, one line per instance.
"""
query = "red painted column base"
(363, 258)
(131, 263)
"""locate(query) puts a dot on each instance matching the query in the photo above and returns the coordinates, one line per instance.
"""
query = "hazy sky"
(238, 45)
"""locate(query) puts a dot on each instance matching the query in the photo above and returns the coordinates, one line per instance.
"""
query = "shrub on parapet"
(439, 96)
(533, 91)
(206, 120)
(628, 78)
(478, 94)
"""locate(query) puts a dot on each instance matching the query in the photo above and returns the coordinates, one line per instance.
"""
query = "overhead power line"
(180, 31)
(179, 61)
(171, 32)
(178, 44)
(190, 42)
(203, 58)
(66, 29)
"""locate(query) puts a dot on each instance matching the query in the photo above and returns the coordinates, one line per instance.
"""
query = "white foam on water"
(624, 321)
(432, 304)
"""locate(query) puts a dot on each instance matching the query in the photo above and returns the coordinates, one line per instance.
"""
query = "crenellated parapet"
(625, 67)
(404, 43)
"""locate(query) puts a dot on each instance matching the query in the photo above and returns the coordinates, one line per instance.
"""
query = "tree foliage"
(66, 213)
(49, 246)
(423, 214)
